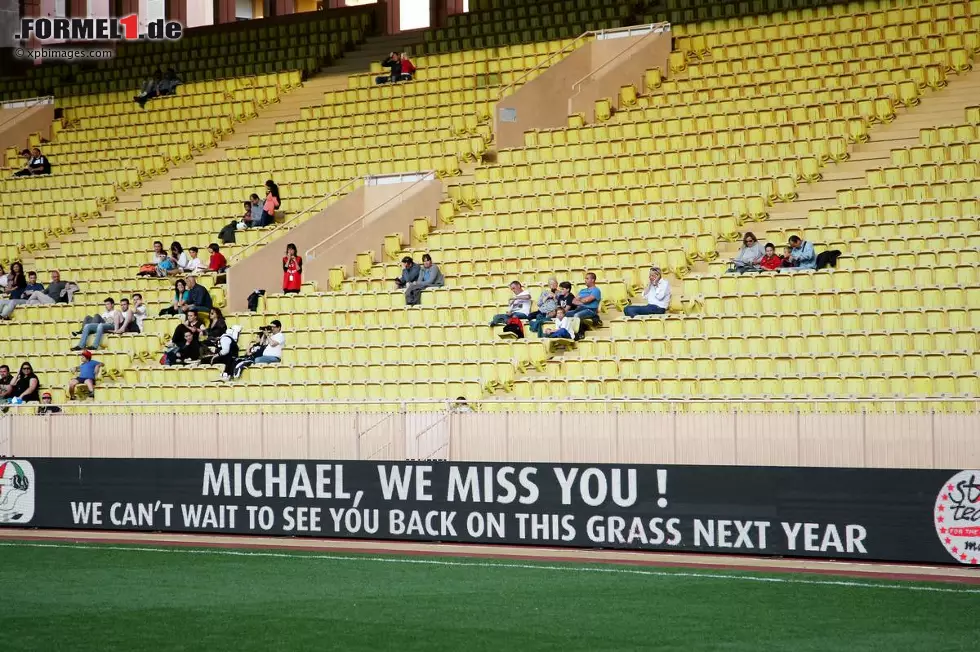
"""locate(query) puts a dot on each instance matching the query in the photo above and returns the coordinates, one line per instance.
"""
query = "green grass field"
(103, 598)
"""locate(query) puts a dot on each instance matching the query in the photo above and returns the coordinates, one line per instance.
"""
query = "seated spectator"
(179, 256)
(16, 280)
(563, 326)
(586, 304)
(519, 307)
(198, 297)
(266, 350)
(771, 260)
(216, 329)
(153, 267)
(254, 212)
(801, 254)
(410, 273)
(20, 296)
(227, 350)
(194, 264)
(292, 270)
(547, 303)
(46, 406)
(460, 406)
(6, 379)
(3, 278)
(110, 321)
(58, 291)
(179, 303)
(25, 171)
(192, 325)
(394, 65)
(188, 351)
(272, 202)
(408, 68)
(216, 261)
(132, 315)
(168, 85)
(657, 295)
(38, 164)
(23, 388)
(150, 89)
(429, 276)
(748, 256)
(87, 371)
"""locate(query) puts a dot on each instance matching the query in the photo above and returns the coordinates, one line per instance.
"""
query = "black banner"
(928, 516)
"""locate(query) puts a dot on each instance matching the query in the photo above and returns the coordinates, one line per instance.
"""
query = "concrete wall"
(630, 57)
(573, 84)
(17, 124)
(388, 209)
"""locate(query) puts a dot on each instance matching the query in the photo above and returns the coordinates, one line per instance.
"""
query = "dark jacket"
(200, 298)
(394, 66)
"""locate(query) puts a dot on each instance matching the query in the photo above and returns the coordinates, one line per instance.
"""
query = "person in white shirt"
(657, 295)
(563, 326)
(269, 349)
(520, 305)
(133, 314)
(194, 264)
(109, 321)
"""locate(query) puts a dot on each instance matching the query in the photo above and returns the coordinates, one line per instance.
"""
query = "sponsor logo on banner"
(957, 516)
(16, 492)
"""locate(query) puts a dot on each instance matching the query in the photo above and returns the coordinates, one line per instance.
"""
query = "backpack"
(227, 234)
(253, 300)
(828, 258)
(515, 326)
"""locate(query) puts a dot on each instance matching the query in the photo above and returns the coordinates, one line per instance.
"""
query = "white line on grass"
(503, 564)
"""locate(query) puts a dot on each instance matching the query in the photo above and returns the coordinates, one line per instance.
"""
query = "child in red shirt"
(217, 261)
(771, 261)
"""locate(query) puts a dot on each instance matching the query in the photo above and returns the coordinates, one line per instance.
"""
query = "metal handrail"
(279, 227)
(28, 102)
(650, 26)
(310, 253)
(543, 64)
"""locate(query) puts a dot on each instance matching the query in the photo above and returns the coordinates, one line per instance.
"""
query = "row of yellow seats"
(936, 154)
(791, 323)
(890, 237)
(885, 300)
(965, 189)
(818, 345)
(918, 174)
(180, 105)
(323, 129)
(926, 214)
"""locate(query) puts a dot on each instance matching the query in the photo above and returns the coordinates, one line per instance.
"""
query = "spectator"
(216, 261)
(25, 171)
(565, 299)
(657, 295)
(24, 387)
(217, 327)
(563, 326)
(801, 255)
(179, 256)
(37, 164)
(272, 202)
(292, 271)
(46, 406)
(179, 303)
(586, 304)
(6, 380)
(139, 313)
(3, 278)
(150, 89)
(87, 371)
(429, 276)
(20, 295)
(255, 213)
(410, 273)
(16, 280)
(192, 325)
(109, 321)
(394, 65)
(168, 85)
(408, 68)
(519, 307)
(771, 261)
(267, 350)
(227, 350)
(58, 291)
(748, 256)
(194, 264)
(198, 297)
(155, 266)
(460, 406)
(547, 304)
(188, 351)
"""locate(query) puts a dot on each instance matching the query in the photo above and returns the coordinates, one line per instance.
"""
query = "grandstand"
(855, 125)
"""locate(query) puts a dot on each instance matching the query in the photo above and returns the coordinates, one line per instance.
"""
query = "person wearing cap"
(268, 350)
(46, 406)
(88, 371)
(410, 273)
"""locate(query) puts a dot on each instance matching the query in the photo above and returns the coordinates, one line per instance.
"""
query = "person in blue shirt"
(586, 304)
(88, 371)
(801, 253)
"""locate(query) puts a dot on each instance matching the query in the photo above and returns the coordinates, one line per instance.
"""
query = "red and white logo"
(957, 516)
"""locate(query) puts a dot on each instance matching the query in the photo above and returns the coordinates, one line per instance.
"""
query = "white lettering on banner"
(301, 519)
(815, 540)
(86, 513)
(468, 487)
(399, 478)
(209, 516)
(232, 479)
(140, 514)
(725, 533)
(354, 521)
(422, 525)
(490, 525)
(546, 527)
(614, 529)
(596, 495)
